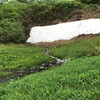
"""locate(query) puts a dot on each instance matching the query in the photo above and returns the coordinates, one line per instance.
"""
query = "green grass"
(76, 80)
(78, 48)
(20, 56)
(4, 74)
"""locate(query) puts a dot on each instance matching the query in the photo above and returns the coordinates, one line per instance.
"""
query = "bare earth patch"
(56, 43)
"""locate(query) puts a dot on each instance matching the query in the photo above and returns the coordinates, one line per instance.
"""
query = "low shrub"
(90, 1)
(62, 9)
(42, 14)
(11, 31)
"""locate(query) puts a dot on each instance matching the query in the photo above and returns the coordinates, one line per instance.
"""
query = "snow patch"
(63, 31)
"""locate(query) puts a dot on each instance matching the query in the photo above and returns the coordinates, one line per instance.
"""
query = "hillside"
(17, 18)
(60, 70)
(63, 31)
(78, 78)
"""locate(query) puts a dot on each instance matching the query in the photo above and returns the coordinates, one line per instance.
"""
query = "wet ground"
(18, 73)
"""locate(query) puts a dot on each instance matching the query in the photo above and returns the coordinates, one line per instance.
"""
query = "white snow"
(63, 31)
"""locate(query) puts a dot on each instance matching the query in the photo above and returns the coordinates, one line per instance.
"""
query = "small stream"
(17, 73)
(58, 61)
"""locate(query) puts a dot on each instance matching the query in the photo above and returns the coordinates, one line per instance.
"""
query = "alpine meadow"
(58, 70)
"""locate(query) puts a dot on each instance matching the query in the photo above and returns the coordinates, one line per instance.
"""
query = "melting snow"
(63, 31)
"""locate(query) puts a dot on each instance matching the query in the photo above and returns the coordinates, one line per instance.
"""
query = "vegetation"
(90, 1)
(77, 49)
(77, 79)
(19, 57)
(16, 18)
(11, 28)
(11, 31)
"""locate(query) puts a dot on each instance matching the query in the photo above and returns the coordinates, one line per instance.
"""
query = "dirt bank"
(52, 44)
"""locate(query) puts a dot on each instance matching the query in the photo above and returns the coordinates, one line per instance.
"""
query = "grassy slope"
(76, 80)
(78, 48)
(13, 56)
